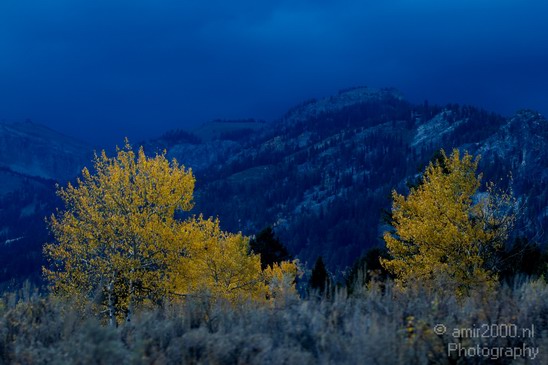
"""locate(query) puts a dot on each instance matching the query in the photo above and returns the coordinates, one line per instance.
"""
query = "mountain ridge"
(353, 149)
(36, 150)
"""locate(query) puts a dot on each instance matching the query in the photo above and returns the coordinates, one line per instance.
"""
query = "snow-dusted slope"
(521, 141)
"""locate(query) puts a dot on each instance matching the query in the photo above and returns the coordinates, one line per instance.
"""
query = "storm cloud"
(101, 70)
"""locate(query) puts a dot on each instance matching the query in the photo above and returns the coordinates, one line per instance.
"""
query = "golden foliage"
(119, 244)
(217, 262)
(441, 233)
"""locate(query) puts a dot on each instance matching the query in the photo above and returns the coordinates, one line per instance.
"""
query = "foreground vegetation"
(377, 325)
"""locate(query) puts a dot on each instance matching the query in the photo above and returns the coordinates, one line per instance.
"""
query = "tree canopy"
(118, 243)
(445, 229)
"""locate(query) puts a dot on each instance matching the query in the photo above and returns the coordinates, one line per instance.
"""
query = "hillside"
(32, 159)
(35, 150)
(322, 175)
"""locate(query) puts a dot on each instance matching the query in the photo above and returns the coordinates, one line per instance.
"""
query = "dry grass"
(377, 326)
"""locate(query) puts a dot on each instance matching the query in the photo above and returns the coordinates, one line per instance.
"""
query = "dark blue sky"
(104, 69)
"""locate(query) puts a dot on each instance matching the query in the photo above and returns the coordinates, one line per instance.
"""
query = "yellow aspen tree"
(117, 231)
(216, 263)
(219, 264)
(119, 244)
(443, 231)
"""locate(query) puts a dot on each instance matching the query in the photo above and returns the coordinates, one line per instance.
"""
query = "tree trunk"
(111, 308)
(130, 304)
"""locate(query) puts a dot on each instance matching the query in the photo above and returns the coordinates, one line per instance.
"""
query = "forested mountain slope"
(322, 175)
(32, 159)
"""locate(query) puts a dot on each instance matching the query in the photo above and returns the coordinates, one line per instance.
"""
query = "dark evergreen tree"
(269, 247)
(365, 268)
(320, 279)
(522, 258)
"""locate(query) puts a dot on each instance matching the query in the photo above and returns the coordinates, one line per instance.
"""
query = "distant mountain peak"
(361, 93)
(345, 98)
(36, 150)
